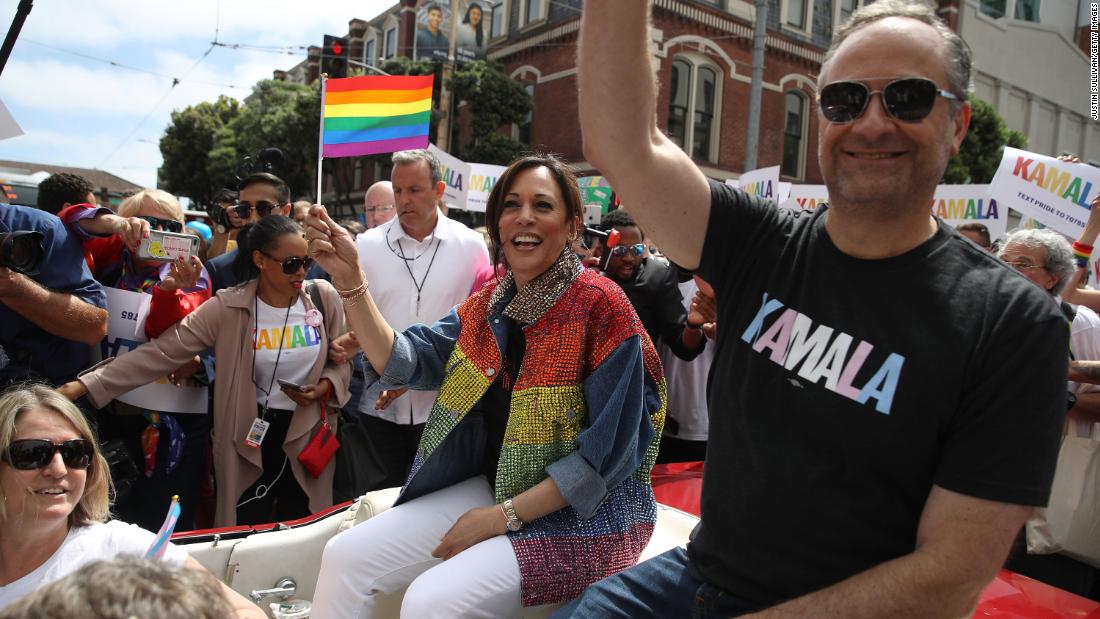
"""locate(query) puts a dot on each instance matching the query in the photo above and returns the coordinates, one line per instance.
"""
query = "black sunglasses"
(36, 453)
(291, 264)
(160, 223)
(909, 99)
(244, 209)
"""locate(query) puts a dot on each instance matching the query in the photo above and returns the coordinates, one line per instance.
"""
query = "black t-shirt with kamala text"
(843, 389)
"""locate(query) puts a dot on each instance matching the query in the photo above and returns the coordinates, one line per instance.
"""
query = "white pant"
(393, 550)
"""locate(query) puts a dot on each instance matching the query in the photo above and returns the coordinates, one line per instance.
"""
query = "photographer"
(226, 224)
(47, 319)
(261, 194)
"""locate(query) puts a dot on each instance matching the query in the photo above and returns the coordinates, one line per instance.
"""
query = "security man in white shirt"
(420, 265)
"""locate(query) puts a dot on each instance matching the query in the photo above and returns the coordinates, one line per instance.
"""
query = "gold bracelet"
(354, 299)
(354, 291)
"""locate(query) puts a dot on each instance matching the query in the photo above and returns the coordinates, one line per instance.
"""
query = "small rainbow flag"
(160, 543)
(375, 114)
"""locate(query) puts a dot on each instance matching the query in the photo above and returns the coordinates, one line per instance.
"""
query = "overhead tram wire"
(120, 65)
(175, 82)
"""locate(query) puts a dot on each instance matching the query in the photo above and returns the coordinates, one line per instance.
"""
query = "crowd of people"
(851, 375)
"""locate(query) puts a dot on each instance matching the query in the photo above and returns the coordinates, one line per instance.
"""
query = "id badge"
(256, 433)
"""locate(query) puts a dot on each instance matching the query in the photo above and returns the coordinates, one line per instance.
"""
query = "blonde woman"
(54, 493)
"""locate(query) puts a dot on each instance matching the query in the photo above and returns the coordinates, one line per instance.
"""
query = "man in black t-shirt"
(873, 449)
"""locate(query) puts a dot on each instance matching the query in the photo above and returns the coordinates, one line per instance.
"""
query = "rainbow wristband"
(1082, 255)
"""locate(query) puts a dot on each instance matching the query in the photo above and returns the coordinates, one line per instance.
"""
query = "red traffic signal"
(334, 57)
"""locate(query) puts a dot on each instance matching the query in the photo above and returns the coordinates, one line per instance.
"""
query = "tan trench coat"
(225, 322)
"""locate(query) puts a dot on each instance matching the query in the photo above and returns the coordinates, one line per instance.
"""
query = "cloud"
(77, 111)
(112, 24)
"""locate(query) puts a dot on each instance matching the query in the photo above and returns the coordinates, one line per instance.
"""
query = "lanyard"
(278, 355)
(406, 260)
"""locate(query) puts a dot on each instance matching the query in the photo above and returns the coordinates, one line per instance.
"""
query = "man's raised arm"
(665, 191)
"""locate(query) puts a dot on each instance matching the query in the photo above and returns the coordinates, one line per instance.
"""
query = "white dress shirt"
(687, 382)
(444, 266)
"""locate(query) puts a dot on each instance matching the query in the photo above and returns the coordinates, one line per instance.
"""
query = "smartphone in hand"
(290, 385)
(168, 246)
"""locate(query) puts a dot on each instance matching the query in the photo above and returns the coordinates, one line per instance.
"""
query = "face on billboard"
(472, 32)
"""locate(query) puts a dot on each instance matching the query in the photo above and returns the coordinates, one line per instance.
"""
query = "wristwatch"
(221, 229)
(514, 523)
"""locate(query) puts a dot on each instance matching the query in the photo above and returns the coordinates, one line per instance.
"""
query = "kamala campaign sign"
(456, 172)
(762, 183)
(1054, 192)
(482, 178)
(806, 197)
(965, 204)
(127, 312)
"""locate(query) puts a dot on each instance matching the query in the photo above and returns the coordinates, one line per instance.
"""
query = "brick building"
(703, 53)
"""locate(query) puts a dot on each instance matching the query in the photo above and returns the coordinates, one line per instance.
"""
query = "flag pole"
(321, 137)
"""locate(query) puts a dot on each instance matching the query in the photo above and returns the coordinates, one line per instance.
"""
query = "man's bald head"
(378, 204)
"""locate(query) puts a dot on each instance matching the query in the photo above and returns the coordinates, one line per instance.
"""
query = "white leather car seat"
(263, 559)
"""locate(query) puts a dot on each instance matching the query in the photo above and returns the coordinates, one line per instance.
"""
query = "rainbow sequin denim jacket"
(587, 409)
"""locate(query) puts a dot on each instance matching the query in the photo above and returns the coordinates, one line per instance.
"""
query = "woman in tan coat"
(270, 344)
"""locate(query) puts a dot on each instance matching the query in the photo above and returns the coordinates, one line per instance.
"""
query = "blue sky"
(83, 112)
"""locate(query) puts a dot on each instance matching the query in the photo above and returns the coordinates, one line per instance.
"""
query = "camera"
(220, 215)
(21, 251)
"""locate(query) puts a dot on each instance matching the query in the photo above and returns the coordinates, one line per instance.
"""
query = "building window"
(794, 131)
(525, 127)
(1022, 10)
(499, 20)
(532, 11)
(993, 8)
(1027, 10)
(844, 10)
(391, 42)
(678, 102)
(368, 53)
(706, 83)
(692, 108)
(796, 14)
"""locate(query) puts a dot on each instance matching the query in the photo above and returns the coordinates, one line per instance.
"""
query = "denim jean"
(661, 587)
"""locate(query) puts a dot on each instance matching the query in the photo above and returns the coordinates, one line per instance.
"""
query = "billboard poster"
(433, 30)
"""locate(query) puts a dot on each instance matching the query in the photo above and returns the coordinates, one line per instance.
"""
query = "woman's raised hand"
(333, 248)
(183, 274)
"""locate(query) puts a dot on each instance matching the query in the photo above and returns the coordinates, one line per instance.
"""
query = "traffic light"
(334, 58)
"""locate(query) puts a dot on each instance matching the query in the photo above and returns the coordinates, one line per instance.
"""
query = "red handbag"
(323, 446)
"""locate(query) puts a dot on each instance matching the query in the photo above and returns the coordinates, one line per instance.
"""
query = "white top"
(1084, 341)
(300, 343)
(687, 382)
(84, 545)
(444, 265)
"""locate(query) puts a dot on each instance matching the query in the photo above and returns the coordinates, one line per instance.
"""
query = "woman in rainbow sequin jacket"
(532, 477)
